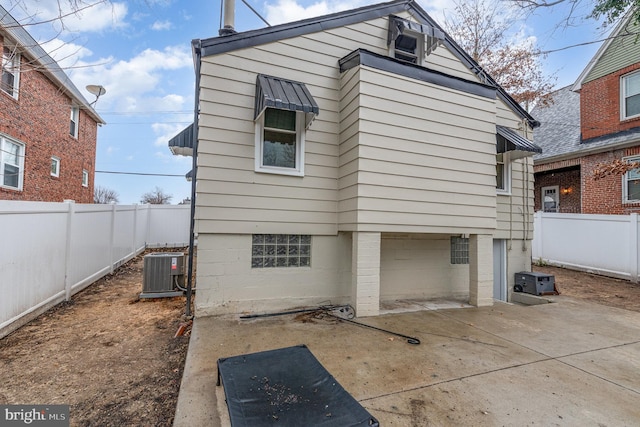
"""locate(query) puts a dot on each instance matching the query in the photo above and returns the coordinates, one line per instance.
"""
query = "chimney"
(229, 9)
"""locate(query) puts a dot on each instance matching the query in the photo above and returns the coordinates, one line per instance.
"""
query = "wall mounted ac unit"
(161, 273)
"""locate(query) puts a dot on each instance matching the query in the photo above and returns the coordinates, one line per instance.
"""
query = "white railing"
(603, 244)
(50, 251)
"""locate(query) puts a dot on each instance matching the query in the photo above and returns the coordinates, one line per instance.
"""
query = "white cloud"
(282, 11)
(161, 25)
(137, 84)
(291, 10)
(89, 16)
(66, 54)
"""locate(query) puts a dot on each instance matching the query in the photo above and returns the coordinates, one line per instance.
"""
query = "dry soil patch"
(109, 355)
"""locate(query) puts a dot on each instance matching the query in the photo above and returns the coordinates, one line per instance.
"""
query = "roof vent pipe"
(229, 9)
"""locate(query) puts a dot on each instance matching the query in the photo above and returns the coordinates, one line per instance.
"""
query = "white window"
(55, 166)
(408, 47)
(280, 250)
(10, 71)
(280, 142)
(11, 163)
(631, 183)
(73, 126)
(85, 178)
(630, 95)
(503, 173)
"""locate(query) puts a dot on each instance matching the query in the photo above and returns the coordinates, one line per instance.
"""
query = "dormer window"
(411, 41)
(406, 48)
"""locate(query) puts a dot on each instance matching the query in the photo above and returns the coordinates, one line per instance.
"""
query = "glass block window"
(459, 250)
(280, 250)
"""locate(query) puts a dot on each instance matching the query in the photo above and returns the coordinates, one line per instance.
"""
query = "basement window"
(280, 250)
(459, 250)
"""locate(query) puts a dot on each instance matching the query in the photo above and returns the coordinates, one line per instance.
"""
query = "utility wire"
(140, 173)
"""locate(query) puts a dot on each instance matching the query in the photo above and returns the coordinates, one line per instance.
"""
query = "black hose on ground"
(327, 309)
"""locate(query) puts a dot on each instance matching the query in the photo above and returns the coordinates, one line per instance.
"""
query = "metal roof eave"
(517, 142)
(275, 92)
(182, 143)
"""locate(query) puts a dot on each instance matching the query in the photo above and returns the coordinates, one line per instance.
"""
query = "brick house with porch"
(595, 121)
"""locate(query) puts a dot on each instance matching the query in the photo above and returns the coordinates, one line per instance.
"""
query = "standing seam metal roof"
(282, 93)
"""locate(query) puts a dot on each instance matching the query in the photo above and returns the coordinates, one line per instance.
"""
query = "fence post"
(135, 230)
(633, 247)
(113, 237)
(148, 230)
(67, 250)
(536, 251)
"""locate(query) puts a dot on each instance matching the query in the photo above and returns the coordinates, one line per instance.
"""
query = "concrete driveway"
(564, 363)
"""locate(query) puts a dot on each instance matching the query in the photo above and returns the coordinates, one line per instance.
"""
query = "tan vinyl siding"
(622, 52)
(377, 135)
(512, 209)
(437, 143)
(232, 197)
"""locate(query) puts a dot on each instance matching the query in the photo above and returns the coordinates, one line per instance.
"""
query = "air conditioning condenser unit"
(163, 274)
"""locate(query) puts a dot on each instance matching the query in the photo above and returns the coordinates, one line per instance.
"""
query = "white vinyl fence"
(603, 244)
(50, 251)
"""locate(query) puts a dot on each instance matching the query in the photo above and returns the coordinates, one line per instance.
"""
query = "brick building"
(48, 129)
(590, 123)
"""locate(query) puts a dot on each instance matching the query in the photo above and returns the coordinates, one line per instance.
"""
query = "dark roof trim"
(217, 45)
(182, 143)
(392, 65)
(516, 142)
(625, 135)
(466, 59)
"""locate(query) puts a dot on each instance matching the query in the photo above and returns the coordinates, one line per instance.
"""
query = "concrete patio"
(565, 363)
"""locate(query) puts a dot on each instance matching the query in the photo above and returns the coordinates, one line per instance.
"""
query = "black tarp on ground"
(286, 387)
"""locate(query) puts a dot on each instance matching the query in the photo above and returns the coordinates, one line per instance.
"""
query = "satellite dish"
(96, 90)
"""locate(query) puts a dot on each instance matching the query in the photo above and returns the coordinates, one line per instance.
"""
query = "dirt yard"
(108, 354)
(594, 288)
(115, 360)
